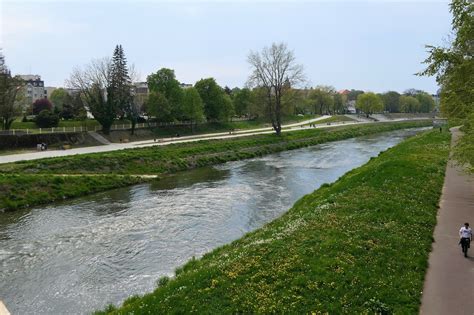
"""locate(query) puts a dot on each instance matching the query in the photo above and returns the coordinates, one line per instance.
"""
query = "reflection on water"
(77, 256)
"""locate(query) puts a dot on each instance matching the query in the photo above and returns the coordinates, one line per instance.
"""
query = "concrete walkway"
(449, 282)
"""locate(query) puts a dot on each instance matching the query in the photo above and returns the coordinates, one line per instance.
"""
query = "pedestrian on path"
(465, 233)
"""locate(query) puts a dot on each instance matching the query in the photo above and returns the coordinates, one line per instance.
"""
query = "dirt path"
(449, 282)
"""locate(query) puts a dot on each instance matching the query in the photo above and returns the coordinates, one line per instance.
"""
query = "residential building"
(49, 90)
(185, 85)
(34, 87)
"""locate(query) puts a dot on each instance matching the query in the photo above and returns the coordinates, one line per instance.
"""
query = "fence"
(97, 127)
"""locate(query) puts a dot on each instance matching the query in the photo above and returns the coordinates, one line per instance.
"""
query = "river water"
(77, 256)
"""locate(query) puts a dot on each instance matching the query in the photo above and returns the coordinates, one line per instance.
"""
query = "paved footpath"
(449, 282)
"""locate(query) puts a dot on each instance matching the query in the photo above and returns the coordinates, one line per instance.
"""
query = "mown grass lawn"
(357, 246)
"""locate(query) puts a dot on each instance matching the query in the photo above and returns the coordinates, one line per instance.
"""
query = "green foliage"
(103, 109)
(409, 104)
(464, 150)
(163, 281)
(59, 97)
(322, 100)
(216, 105)
(353, 94)
(165, 83)
(369, 103)
(242, 102)
(46, 119)
(158, 106)
(391, 101)
(427, 103)
(193, 107)
(348, 247)
(454, 66)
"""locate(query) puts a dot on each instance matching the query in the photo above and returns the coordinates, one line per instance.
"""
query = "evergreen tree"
(120, 90)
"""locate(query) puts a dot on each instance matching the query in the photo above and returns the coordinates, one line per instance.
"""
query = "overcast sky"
(370, 45)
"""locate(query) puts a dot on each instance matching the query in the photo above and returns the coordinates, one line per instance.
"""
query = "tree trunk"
(106, 128)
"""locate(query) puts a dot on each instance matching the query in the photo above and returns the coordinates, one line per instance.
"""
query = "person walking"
(465, 233)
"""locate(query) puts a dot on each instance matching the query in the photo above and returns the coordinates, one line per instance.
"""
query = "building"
(140, 88)
(49, 90)
(34, 87)
(185, 85)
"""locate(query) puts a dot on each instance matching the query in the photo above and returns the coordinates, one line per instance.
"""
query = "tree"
(94, 84)
(339, 103)
(369, 103)
(59, 98)
(272, 69)
(41, 104)
(242, 101)
(120, 89)
(353, 94)
(73, 108)
(391, 101)
(322, 99)
(193, 107)
(213, 97)
(409, 104)
(10, 88)
(426, 101)
(227, 108)
(256, 110)
(47, 119)
(454, 65)
(165, 83)
(158, 106)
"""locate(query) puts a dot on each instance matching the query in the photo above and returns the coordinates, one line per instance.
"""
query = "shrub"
(47, 119)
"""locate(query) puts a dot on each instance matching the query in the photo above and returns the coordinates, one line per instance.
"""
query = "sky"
(369, 45)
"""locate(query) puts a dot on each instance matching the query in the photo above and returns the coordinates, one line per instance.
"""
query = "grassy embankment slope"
(357, 246)
(464, 150)
(35, 182)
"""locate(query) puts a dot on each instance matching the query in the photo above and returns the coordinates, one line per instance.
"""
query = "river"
(77, 256)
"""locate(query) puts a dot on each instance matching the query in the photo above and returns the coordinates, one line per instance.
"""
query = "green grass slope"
(359, 245)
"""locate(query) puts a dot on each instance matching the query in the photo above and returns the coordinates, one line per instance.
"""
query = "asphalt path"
(449, 281)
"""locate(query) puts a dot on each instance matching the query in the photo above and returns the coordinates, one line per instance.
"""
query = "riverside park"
(125, 193)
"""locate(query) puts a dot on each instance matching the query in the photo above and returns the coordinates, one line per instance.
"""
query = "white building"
(34, 87)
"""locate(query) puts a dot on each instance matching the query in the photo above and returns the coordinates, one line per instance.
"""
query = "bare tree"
(274, 69)
(93, 82)
(10, 91)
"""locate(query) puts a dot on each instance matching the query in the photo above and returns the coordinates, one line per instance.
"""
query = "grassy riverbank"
(464, 150)
(16, 192)
(358, 246)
